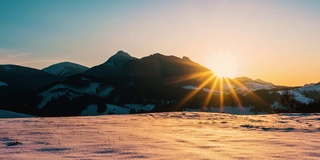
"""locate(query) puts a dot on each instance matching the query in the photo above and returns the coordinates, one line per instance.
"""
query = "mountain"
(118, 60)
(137, 86)
(15, 78)
(110, 66)
(244, 85)
(161, 69)
(124, 84)
(65, 69)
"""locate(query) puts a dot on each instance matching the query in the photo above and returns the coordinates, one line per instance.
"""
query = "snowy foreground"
(177, 135)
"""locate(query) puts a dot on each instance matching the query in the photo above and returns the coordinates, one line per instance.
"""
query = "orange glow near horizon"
(276, 41)
(219, 85)
(224, 65)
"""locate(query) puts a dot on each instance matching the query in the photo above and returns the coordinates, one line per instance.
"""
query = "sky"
(272, 40)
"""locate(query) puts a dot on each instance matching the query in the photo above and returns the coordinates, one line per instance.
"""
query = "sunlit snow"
(175, 135)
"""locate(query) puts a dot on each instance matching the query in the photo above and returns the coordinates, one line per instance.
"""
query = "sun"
(224, 70)
(224, 65)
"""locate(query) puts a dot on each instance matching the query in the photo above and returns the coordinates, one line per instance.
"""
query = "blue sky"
(248, 36)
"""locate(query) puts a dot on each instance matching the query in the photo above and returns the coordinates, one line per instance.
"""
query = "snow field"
(175, 135)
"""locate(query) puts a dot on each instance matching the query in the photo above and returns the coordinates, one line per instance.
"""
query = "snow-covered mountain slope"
(310, 87)
(65, 69)
(59, 90)
(175, 135)
(243, 85)
(298, 96)
(93, 96)
(253, 86)
(300, 93)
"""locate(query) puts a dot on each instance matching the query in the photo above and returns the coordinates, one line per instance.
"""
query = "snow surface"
(3, 83)
(175, 135)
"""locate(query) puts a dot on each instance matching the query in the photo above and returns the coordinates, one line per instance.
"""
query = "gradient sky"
(273, 40)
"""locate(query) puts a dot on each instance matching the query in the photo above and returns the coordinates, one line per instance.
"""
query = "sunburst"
(217, 84)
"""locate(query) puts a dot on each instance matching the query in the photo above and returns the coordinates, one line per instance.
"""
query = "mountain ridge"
(125, 84)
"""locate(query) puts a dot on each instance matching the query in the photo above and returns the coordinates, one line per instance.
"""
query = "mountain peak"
(243, 79)
(118, 59)
(186, 58)
(122, 53)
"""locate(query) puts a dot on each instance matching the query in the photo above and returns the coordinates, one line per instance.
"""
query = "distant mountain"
(65, 69)
(161, 69)
(15, 78)
(118, 60)
(243, 79)
(110, 66)
(125, 84)
(244, 85)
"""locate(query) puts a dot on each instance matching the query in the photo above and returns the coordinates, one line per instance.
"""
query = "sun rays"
(214, 86)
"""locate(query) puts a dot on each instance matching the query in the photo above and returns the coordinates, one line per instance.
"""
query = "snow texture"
(175, 135)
